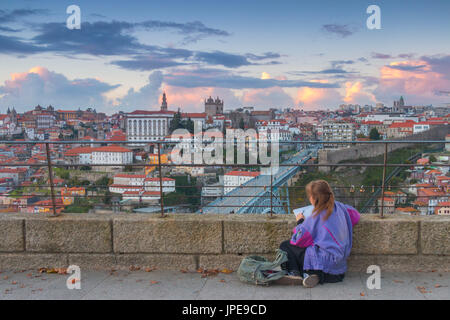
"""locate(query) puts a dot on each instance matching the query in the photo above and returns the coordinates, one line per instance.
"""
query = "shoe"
(310, 281)
(290, 279)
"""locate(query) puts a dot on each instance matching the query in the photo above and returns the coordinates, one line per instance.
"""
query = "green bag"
(260, 271)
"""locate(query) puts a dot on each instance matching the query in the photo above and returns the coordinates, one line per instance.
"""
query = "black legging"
(296, 258)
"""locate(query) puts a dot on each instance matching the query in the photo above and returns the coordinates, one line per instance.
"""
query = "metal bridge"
(262, 193)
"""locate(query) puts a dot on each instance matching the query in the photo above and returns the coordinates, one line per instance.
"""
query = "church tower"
(164, 102)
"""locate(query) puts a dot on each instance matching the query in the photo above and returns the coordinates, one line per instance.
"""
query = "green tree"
(374, 134)
(432, 159)
(241, 123)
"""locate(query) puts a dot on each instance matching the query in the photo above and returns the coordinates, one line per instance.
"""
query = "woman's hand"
(299, 216)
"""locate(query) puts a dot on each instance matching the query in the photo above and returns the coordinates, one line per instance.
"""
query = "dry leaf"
(154, 282)
(183, 271)
(437, 286)
(5, 278)
(398, 281)
(149, 269)
(226, 271)
(14, 282)
(362, 294)
(222, 280)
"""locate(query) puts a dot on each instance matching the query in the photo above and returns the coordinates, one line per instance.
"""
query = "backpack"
(260, 271)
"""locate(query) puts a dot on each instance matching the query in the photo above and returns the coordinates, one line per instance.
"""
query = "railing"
(269, 195)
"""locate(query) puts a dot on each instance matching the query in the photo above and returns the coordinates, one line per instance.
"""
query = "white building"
(131, 183)
(144, 125)
(112, 155)
(102, 155)
(421, 127)
(337, 131)
(153, 184)
(234, 179)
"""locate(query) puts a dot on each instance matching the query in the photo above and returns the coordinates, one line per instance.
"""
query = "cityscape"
(224, 150)
(95, 170)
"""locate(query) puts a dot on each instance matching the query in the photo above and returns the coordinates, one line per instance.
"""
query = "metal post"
(160, 180)
(271, 193)
(384, 178)
(50, 176)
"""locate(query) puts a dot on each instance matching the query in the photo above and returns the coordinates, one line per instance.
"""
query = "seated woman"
(321, 243)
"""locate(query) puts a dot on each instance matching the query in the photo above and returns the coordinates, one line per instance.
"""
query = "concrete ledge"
(68, 234)
(189, 241)
(250, 235)
(392, 235)
(12, 235)
(435, 236)
(24, 261)
(144, 234)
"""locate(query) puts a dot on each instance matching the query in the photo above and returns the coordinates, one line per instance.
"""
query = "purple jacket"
(328, 243)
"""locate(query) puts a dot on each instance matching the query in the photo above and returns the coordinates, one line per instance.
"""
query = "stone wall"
(188, 241)
(374, 150)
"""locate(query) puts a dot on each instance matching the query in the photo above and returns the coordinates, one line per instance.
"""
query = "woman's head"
(321, 197)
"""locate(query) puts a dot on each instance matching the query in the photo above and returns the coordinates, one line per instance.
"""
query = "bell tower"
(164, 102)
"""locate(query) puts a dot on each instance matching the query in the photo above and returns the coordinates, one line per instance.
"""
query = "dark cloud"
(224, 79)
(407, 67)
(10, 44)
(222, 58)
(14, 15)
(267, 55)
(376, 55)
(339, 63)
(193, 31)
(439, 64)
(342, 30)
(115, 38)
(442, 93)
(147, 63)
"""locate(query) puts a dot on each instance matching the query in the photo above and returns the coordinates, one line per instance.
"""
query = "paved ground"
(178, 285)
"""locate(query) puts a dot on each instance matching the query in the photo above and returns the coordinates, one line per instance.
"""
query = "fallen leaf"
(437, 286)
(14, 282)
(29, 275)
(362, 294)
(42, 270)
(134, 268)
(398, 281)
(183, 271)
(5, 278)
(154, 282)
(222, 280)
(149, 269)
(226, 271)
(200, 270)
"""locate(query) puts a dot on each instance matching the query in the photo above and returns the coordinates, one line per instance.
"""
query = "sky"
(288, 53)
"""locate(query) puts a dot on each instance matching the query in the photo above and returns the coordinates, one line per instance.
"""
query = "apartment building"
(337, 131)
(234, 179)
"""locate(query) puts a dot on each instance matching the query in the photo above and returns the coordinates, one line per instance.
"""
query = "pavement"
(168, 285)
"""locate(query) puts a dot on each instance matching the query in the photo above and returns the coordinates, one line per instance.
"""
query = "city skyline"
(262, 54)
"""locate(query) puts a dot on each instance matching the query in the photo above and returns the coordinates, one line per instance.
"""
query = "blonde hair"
(323, 197)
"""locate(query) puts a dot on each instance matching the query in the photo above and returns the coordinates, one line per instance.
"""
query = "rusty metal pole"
(384, 178)
(271, 193)
(50, 176)
(160, 180)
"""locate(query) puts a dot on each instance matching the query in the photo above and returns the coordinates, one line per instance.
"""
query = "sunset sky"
(288, 53)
